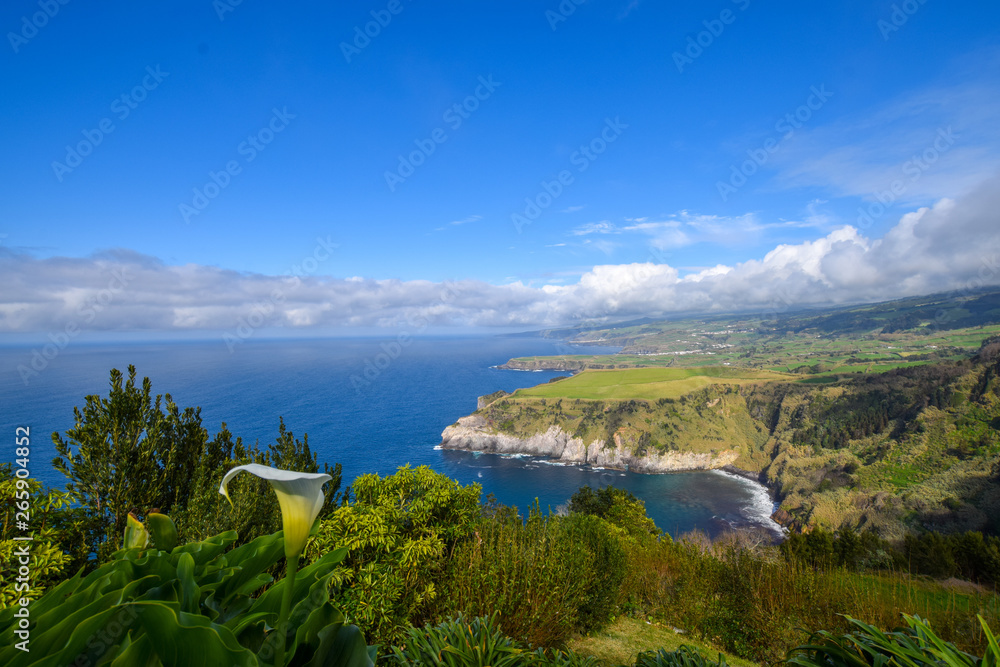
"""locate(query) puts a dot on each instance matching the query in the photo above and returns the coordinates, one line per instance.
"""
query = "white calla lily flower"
(300, 495)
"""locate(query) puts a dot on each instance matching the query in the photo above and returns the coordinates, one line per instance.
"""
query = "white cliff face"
(472, 433)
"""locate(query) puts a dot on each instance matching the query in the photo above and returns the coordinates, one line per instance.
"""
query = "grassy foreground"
(619, 643)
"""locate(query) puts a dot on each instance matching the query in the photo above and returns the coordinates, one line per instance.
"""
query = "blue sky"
(840, 103)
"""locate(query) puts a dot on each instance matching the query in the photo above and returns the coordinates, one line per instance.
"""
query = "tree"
(133, 451)
(617, 507)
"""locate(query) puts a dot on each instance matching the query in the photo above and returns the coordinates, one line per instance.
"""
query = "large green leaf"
(54, 630)
(89, 641)
(138, 653)
(252, 559)
(341, 646)
(179, 638)
(190, 593)
(270, 601)
(321, 617)
(206, 550)
(304, 607)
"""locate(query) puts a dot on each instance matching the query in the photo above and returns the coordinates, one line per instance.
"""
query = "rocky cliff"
(472, 433)
(547, 364)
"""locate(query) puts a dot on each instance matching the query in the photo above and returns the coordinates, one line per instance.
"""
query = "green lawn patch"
(647, 383)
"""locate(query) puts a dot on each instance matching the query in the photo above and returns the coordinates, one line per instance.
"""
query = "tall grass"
(757, 605)
(530, 575)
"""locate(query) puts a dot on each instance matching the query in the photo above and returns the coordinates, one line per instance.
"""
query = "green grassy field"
(619, 643)
(646, 383)
(692, 344)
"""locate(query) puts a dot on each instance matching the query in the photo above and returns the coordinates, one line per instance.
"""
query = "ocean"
(372, 405)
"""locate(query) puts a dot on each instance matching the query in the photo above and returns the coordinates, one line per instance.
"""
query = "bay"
(370, 404)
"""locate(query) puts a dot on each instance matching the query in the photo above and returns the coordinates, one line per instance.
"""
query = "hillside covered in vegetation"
(141, 561)
(910, 448)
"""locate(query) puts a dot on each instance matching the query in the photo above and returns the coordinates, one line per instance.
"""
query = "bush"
(458, 642)
(969, 555)
(915, 645)
(129, 452)
(531, 574)
(684, 656)
(57, 545)
(398, 533)
(605, 574)
(616, 506)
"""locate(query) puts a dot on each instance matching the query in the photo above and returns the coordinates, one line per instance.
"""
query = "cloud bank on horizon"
(227, 171)
(953, 245)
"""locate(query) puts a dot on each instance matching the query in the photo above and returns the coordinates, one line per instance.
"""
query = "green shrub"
(398, 533)
(740, 614)
(57, 545)
(530, 574)
(605, 574)
(914, 646)
(202, 603)
(459, 642)
(130, 451)
(684, 656)
(616, 506)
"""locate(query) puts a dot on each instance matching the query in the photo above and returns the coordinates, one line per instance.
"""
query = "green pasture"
(646, 383)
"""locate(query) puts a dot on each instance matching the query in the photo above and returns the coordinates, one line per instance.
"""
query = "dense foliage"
(476, 642)
(58, 545)
(202, 603)
(969, 555)
(616, 506)
(398, 533)
(135, 452)
(685, 656)
(484, 584)
(915, 645)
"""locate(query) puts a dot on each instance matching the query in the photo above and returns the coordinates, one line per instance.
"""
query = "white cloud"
(952, 245)
(463, 221)
(602, 227)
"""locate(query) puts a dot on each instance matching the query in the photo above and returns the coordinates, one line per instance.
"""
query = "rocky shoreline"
(473, 434)
(544, 364)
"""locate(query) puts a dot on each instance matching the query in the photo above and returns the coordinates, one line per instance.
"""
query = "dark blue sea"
(370, 404)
